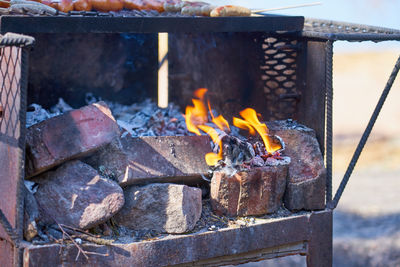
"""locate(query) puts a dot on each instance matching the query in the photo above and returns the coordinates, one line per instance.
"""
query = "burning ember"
(197, 119)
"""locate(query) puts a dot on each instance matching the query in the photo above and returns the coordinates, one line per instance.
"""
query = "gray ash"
(139, 119)
(242, 155)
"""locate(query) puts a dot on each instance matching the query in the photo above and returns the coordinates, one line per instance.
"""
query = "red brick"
(148, 159)
(255, 192)
(71, 135)
(165, 208)
(76, 195)
(305, 189)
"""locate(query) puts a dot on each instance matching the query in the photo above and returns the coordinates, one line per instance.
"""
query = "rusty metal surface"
(228, 64)
(320, 240)
(9, 176)
(116, 67)
(13, 76)
(10, 100)
(6, 252)
(186, 249)
(299, 248)
(108, 24)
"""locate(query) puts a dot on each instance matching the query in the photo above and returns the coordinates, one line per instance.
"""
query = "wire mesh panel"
(279, 76)
(10, 73)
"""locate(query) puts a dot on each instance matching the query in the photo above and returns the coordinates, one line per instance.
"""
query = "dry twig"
(87, 237)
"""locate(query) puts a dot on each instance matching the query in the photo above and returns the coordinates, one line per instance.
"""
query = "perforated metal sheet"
(279, 76)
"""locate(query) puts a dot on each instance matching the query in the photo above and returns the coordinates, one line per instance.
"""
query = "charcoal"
(236, 151)
(257, 161)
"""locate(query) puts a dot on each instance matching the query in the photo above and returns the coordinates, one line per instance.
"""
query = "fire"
(251, 121)
(212, 158)
(197, 117)
(196, 114)
(220, 121)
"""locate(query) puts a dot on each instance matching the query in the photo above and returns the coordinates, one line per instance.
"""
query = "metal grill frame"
(332, 31)
(322, 31)
(23, 43)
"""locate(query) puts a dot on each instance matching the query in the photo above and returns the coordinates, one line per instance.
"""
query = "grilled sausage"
(156, 5)
(197, 9)
(115, 5)
(107, 5)
(82, 5)
(63, 5)
(100, 5)
(133, 4)
(230, 11)
(4, 4)
(173, 5)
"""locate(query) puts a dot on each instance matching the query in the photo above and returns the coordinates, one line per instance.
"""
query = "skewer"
(285, 7)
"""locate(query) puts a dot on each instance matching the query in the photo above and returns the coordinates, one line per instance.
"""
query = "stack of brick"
(74, 193)
(87, 173)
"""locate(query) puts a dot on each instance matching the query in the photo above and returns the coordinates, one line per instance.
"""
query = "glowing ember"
(250, 117)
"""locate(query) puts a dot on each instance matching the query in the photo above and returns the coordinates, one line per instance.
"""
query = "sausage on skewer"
(156, 5)
(230, 11)
(197, 9)
(173, 5)
(82, 5)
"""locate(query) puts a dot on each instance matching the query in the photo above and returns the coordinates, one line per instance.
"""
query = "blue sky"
(384, 13)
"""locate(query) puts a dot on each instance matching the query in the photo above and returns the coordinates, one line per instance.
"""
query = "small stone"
(166, 208)
(71, 135)
(76, 195)
(31, 215)
(255, 192)
(307, 174)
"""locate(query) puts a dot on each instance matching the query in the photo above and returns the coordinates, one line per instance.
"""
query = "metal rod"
(329, 119)
(9, 230)
(365, 136)
(285, 7)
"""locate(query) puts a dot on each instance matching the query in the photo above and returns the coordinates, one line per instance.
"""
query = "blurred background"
(367, 219)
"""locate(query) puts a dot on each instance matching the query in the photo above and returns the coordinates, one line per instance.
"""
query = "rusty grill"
(286, 93)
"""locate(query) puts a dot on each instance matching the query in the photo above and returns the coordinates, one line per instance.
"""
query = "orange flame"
(212, 158)
(242, 124)
(250, 117)
(220, 121)
(196, 114)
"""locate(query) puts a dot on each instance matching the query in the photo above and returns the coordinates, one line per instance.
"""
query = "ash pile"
(107, 172)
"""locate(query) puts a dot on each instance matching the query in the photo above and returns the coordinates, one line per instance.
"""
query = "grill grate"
(336, 30)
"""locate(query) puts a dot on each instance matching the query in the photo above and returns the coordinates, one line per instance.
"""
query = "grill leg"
(320, 240)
